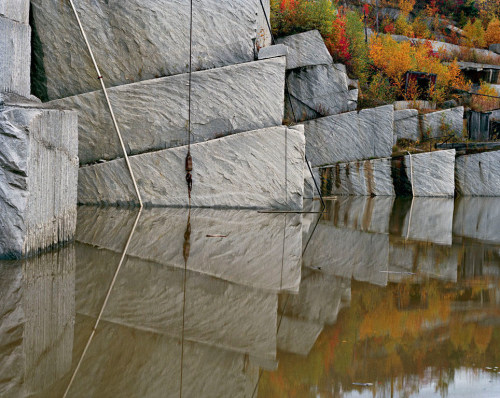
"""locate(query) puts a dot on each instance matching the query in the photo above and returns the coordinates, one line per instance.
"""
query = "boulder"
(153, 114)
(136, 40)
(495, 48)
(278, 50)
(257, 169)
(365, 178)
(478, 174)
(262, 251)
(350, 136)
(432, 173)
(443, 123)
(15, 56)
(317, 91)
(406, 124)
(16, 10)
(306, 49)
(38, 178)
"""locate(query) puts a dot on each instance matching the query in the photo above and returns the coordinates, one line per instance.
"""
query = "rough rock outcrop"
(153, 114)
(350, 136)
(306, 49)
(258, 250)
(478, 174)
(443, 123)
(38, 178)
(16, 10)
(317, 91)
(406, 124)
(135, 40)
(15, 50)
(255, 169)
(366, 178)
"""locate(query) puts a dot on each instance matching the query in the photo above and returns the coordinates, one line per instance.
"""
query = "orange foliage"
(482, 103)
(395, 59)
(493, 32)
(406, 6)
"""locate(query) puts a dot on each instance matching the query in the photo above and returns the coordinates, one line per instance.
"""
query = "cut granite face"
(443, 123)
(38, 178)
(317, 91)
(153, 114)
(362, 178)
(306, 49)
(260, 169)
(136, 40)
(15, 56)
(16, 10)
(406, 124)
(478, 174)
(350, 136)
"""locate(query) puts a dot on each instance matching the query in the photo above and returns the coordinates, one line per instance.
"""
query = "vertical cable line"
(115, 124)
(273, 41)
(189, 159)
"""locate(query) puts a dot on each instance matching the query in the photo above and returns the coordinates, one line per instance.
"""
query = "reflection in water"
(391, 297)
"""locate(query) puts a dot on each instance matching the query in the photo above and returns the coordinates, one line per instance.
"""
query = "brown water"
(373, 298)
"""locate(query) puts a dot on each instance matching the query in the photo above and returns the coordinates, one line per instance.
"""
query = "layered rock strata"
(350, 136)
(256, 169)
(137, 40)
(478, 174)
(38, 175)
(153, 114)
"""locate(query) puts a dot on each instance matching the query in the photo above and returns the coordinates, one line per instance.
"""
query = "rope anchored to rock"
(189, 159)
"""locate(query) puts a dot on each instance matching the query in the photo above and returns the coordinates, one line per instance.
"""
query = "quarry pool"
(374, 297)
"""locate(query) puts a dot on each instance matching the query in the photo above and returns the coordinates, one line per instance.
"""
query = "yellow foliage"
(474, 34)
(395, 59)
(406, 6)
(480, 103)
(492, 35)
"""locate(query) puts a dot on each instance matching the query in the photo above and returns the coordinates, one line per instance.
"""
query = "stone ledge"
(256, 169)
(153, 114)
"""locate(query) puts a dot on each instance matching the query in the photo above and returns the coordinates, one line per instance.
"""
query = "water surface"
(375, 297)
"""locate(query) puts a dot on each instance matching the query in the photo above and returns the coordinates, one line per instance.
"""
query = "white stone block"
(478, 174)
(350, 136)
(15, 59)
(257, 169)
(306, 49)
(278, 50)
(443, 123)
(136, 40)
(153, 114)
(406, 124)
(38, 178)
(17, 10)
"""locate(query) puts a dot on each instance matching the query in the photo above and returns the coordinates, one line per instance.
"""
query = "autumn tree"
(492, 35)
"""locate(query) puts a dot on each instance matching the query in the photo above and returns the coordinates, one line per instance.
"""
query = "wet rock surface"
(256, 169)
